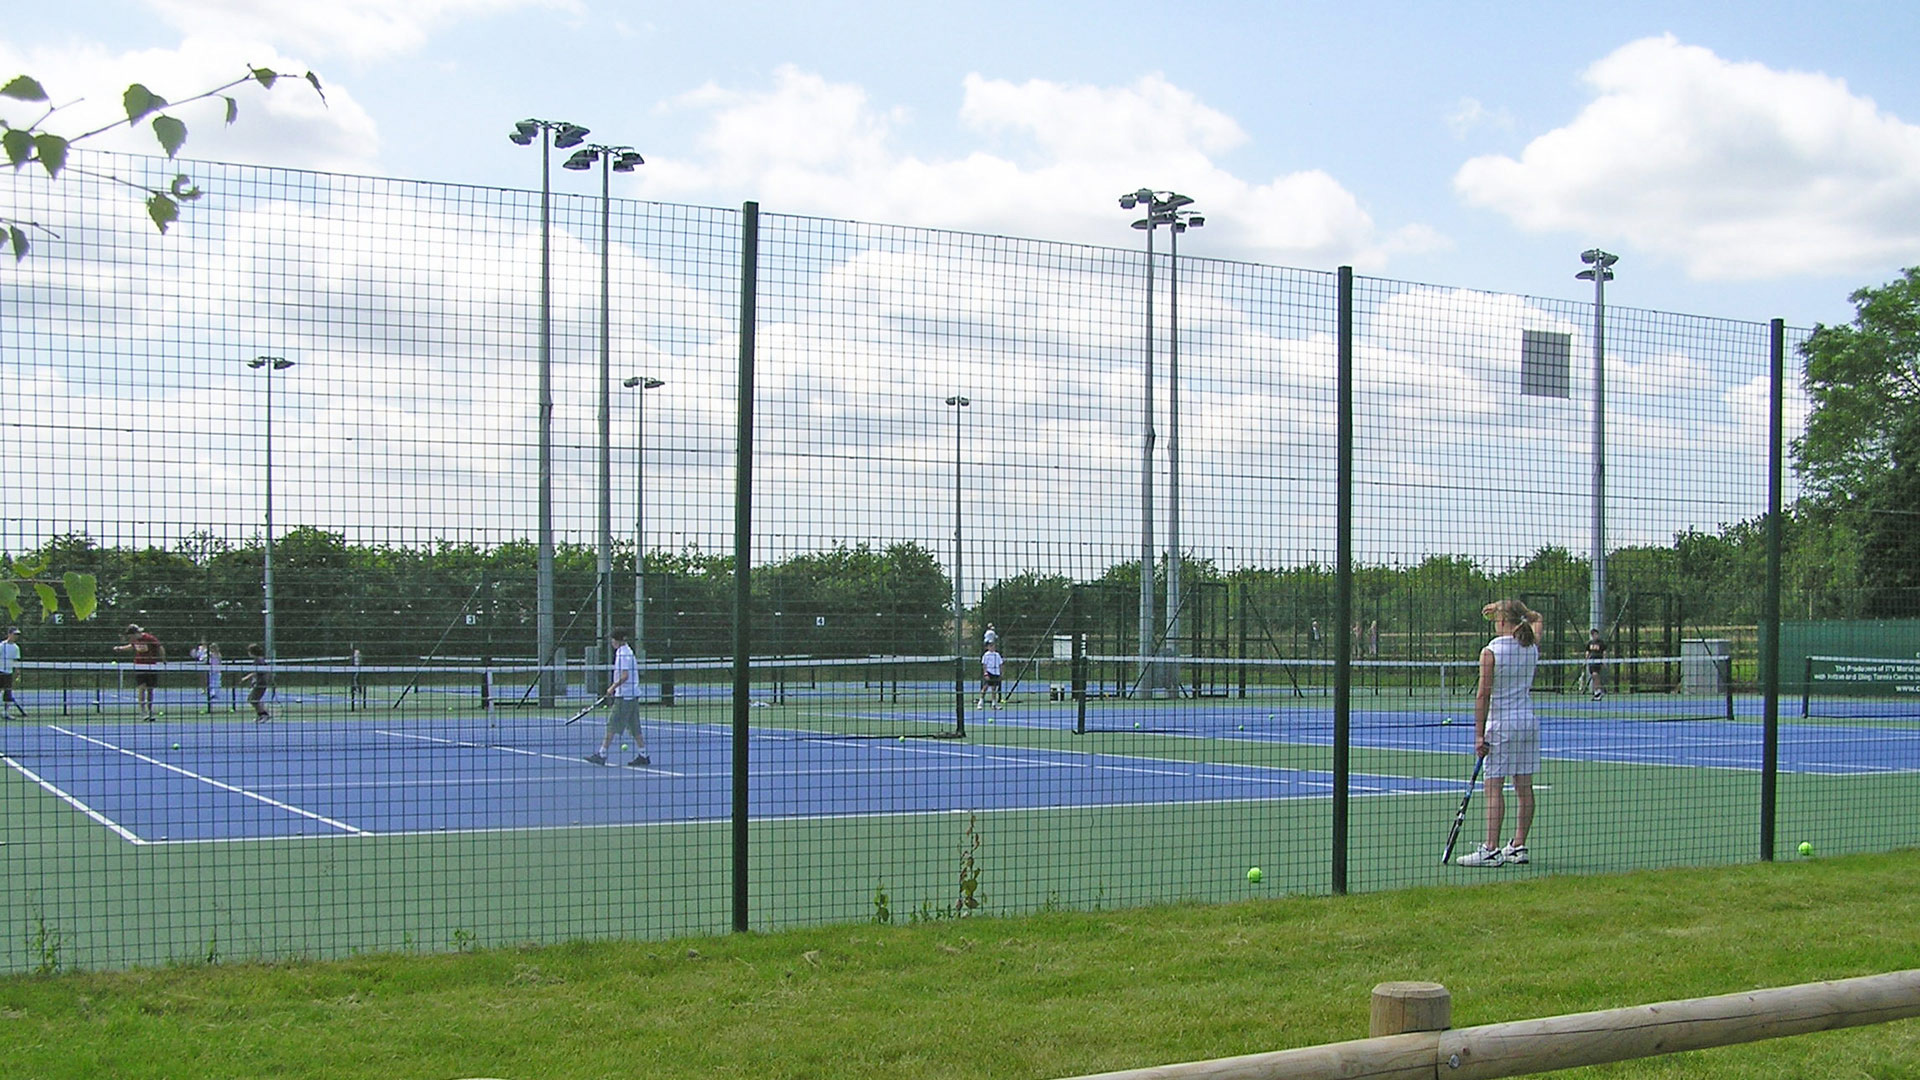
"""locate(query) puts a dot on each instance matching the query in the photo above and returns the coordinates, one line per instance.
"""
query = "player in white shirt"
(1505, 730)
(9, 660)
(990, 666)
(625, 692)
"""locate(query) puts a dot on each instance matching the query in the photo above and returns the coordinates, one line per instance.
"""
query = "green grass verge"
(1046, 995)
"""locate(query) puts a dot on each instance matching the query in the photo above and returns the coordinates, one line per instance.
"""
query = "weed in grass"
(882, 905)
(464, 940)
(970, 898)
(46, 942)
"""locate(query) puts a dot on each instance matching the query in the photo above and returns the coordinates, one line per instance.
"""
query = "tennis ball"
(1271, 716)
(1254, 875)
(1806, 847)
(623, 746)
(1136, 723)
(1448, 720)
(176, 746)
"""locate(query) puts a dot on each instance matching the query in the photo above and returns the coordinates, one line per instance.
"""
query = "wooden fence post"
(1400, 1007)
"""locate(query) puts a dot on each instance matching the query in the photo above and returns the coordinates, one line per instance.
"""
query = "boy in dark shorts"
(260, 678)
(148, 655)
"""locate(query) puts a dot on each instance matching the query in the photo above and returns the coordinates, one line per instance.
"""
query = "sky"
(1743, 160)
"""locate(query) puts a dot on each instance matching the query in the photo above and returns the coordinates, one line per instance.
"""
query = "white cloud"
(359, 29)
(1737, 170)
(1053, 160)
(1470, 115)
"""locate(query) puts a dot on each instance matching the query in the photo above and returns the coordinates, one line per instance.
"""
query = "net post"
(1397, 1008)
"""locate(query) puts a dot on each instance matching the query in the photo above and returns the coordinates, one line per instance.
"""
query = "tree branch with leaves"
(33, 144)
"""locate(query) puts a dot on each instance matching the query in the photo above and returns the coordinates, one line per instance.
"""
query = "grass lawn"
(1049, 995)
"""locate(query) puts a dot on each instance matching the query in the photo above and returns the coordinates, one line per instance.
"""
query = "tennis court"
(318, 771)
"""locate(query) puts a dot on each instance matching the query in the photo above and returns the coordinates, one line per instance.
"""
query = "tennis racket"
(602, 700)
(1460, 815)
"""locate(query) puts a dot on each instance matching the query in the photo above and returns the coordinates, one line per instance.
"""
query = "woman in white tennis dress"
(1505, 730)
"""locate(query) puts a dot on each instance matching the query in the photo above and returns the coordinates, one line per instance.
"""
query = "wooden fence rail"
(1523, 1047)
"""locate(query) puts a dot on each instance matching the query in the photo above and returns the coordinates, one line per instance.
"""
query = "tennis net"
(1861, 687)
(1254, 695)
(343, 706)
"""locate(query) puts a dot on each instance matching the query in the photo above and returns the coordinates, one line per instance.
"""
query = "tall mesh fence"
(942, 424)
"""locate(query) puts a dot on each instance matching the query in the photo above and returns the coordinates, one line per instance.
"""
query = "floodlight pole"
(551, 133)
(643, 384)
(612, 159)
(1171, 645)
(1170, 209)
(959, 403)
(1599, 271)
(269, 364)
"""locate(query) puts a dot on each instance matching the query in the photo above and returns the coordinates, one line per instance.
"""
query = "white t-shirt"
(991, 637)
(990, 663)
(624, 663)
(1513, 665)
(9, 656)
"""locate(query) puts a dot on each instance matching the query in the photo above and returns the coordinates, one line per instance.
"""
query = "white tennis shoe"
(1483, 856)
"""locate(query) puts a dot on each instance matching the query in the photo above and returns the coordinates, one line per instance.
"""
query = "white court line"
(211, 782)
(70, 800)
(470, 745)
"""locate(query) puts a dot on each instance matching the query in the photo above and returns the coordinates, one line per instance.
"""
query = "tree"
(34, 145)
(1861, 451)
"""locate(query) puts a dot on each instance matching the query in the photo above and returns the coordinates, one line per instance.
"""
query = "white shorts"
(1513, 748)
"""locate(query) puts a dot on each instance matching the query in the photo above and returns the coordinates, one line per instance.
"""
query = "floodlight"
(959, 400)
(567, 136)
(1196, 220)
(644, 382)
(524, 131)
(627, 160)
(1128, 202)
(582, 158)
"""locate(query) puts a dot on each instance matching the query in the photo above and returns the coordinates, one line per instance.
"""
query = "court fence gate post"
(1770, 602)
(743, 552)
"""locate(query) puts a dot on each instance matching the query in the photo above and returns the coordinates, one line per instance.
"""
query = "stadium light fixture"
(1599, 271)
(269, 364)
(552, 134)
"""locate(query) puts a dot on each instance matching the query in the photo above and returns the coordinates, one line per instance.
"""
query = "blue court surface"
(241, 781)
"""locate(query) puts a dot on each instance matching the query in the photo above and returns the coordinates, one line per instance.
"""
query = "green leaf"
(30, 567)
(49, 600)
(171, 133)
(140, 101)
(163, 210)
(19, 241)
(23, 88)
(315, 80)
(82, 593)
(265, 76)
(233, 109)
(10, 598)
(18, 143)
(52, 150)
(183, 189)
